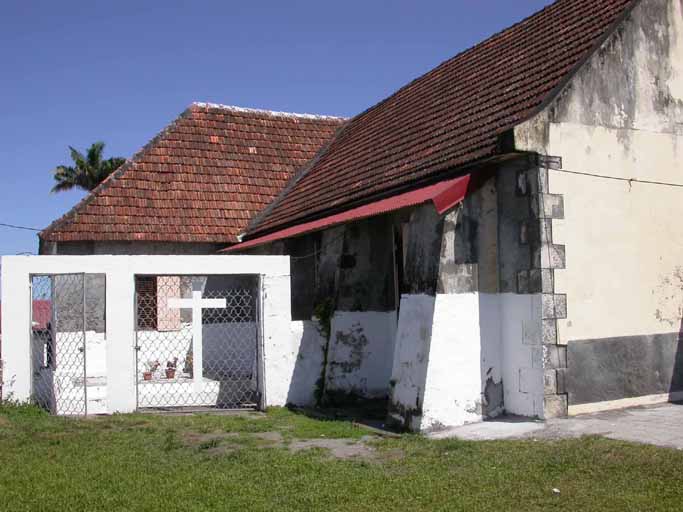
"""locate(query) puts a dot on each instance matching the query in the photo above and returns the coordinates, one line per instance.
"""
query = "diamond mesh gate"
(67, 316)
(197, 342)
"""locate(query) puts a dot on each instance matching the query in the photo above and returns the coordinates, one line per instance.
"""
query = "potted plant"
(171, 368)
(150, 368)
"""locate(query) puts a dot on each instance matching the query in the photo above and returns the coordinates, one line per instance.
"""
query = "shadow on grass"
(362, 412)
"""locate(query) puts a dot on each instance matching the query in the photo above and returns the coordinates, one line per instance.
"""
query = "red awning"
(445, 195)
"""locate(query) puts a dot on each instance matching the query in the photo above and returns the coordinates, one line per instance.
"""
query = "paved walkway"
(661, 425)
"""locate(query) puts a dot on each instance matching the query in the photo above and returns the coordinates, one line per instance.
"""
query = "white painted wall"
(447, 348)
(278, 346)
(453, 388)
(411, 356)
(361, 352)
(521, 338)
(306, 335)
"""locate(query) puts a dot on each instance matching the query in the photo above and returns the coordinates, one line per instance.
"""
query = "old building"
(499, 235)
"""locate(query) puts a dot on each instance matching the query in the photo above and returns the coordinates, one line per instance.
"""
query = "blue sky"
(72, 73)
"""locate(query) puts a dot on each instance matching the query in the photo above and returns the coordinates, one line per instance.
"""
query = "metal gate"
(67, 314)
(197, 341)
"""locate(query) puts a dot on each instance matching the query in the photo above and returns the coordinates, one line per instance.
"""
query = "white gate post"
(120, 325)
(16, 329)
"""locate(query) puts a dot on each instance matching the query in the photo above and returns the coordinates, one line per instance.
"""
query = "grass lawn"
(259, 462)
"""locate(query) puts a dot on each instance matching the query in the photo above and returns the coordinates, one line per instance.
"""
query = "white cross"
(197, 304)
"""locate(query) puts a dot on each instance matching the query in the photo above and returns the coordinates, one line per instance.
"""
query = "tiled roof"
(200, 180)
(450, 117)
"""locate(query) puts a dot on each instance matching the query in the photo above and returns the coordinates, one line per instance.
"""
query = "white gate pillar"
(121, 370)
(16, 329)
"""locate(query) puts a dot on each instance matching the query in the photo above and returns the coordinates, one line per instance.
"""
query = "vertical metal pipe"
(260, 345)
(136, 348)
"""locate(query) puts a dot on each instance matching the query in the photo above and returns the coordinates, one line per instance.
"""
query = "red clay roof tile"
(450, 117)
(200, 180)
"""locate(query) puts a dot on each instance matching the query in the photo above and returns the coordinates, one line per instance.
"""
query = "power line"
(628, 180)
(13, 226)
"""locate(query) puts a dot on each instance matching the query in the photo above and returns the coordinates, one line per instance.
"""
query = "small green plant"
(323, 313)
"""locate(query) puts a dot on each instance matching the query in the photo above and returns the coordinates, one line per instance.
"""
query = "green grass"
(204, 462)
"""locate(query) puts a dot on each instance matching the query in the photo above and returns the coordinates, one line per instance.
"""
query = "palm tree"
(88, 171)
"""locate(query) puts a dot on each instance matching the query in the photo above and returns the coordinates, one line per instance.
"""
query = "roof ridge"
(274, 113)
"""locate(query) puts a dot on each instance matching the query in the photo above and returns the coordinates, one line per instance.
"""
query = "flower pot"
(170, 373)
(147, 375)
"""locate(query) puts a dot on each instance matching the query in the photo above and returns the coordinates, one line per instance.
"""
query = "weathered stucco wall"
(128, 248)
(621, 117)
(344, 309)
(448, 362)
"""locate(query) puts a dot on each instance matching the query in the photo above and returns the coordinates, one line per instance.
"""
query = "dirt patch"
(4, 422)
(222, 443)
(338, 448)
(269, 439)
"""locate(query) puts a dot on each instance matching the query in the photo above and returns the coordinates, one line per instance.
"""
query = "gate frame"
(278, 356)
(83, 349)
(260, 367)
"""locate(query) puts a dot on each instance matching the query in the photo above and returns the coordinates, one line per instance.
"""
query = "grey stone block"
(554, 306)
(548, 206)
(550, 382)
(561, 381)
(555, 406)
(543, 180)
(550, 256)
(549, 332)
(554, 357)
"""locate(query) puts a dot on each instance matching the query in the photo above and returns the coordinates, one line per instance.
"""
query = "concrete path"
(661, 425)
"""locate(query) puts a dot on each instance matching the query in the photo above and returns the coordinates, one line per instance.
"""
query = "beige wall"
(621, 116)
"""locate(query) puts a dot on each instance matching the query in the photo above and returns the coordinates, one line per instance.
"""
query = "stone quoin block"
(555, 406)
(550, 382)
(554, 356)
(548, 206)
(561, 380)
(543, 187)
(549, 335)
(554, 306)
(550, 256)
